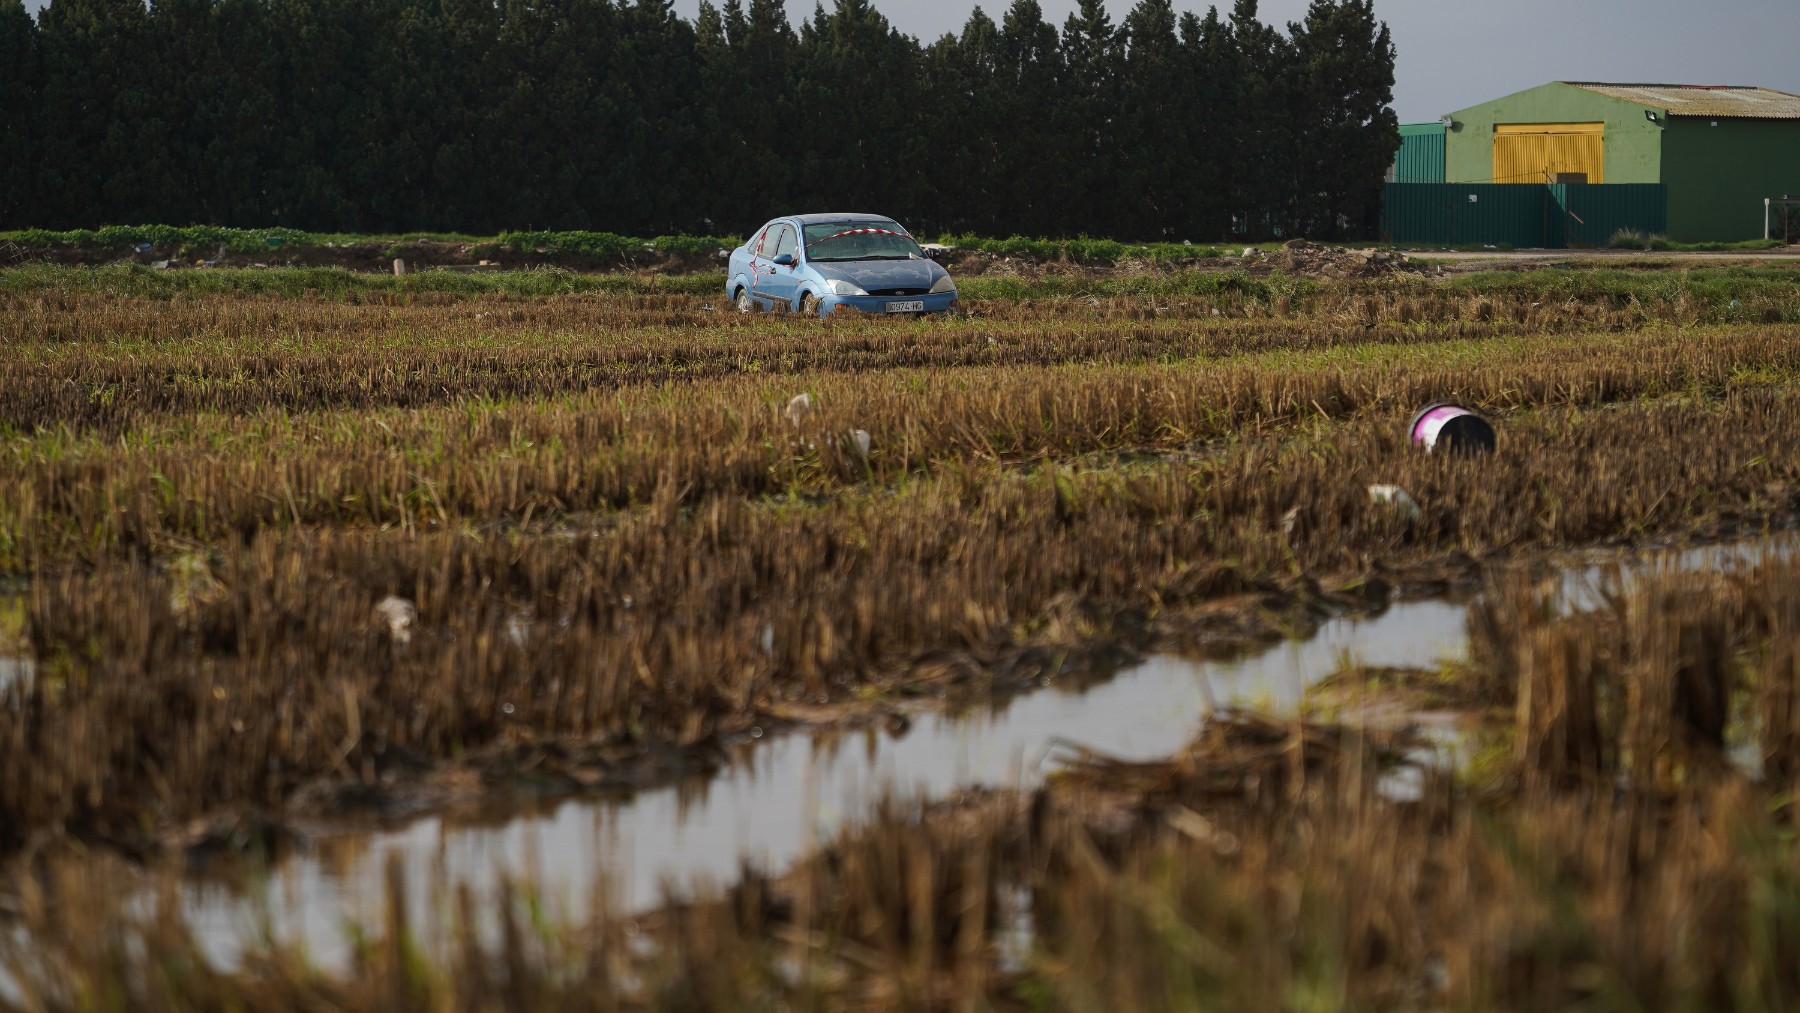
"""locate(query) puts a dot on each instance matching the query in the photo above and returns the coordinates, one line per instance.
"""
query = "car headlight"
(841, 287)
(944, 284)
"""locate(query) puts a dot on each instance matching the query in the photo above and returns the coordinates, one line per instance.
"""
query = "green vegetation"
(603, 246)
(340, 283)
(119, 237)
(1630, 239)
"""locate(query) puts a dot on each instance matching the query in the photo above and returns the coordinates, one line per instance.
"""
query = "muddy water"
(15, 672)
(14, 669)
(790, 792)
(1582, 584)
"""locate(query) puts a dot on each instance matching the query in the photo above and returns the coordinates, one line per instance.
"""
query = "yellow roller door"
(1533, 152)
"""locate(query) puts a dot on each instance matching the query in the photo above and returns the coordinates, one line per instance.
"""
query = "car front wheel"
(809, 305)
(744, 305)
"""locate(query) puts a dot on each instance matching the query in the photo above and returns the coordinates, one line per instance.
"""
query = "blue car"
(825, 263)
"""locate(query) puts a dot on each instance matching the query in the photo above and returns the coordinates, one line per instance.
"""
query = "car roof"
(820, 219)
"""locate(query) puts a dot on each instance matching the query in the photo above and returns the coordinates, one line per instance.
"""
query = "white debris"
(518, 627)
(860, 438)
(1394, 498)
(400, 615)
(798, 408)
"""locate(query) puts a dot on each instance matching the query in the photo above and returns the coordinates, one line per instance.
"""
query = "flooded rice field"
(512, 649)
(784, 794)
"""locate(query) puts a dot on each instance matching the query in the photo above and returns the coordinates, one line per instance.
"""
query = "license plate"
(910, 306)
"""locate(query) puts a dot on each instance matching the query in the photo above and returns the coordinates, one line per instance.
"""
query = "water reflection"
(1582, 587)
(15, 669)
(792, 791)
(16, 672)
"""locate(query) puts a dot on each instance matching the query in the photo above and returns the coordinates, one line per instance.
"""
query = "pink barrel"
(1454, 427)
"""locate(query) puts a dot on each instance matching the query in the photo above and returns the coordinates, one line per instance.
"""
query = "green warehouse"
(1719, 151)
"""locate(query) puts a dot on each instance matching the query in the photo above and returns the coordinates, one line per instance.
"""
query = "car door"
(762, 253)
(782, 284)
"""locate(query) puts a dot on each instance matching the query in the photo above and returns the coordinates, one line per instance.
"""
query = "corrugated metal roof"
(1702, 100)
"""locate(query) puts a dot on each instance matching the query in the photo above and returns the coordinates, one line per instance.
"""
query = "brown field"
(624, 556)
(1615, 859)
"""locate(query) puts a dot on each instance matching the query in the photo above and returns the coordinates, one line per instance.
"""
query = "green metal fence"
(1549, 216)
(1592, 214)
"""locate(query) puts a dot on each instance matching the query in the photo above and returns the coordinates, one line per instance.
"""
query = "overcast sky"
(1456, 53)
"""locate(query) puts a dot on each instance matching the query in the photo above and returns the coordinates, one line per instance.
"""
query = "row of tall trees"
(486, 115)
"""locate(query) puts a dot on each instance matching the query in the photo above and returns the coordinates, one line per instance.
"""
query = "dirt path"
(1633, 258)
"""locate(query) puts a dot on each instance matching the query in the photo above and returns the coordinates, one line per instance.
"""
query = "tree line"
(490, 115)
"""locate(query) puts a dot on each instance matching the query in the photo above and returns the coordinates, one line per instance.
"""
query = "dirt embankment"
(1297, 257)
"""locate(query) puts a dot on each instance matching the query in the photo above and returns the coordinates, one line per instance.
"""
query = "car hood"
(874, 274)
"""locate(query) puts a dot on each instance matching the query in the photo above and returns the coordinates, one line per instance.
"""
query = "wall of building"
(1421, 155)
(1634, 148)
(1718, 176)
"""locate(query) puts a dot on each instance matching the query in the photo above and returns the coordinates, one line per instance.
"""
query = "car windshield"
(835, 241)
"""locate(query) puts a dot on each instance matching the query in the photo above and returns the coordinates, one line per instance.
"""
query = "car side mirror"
(785, 260)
